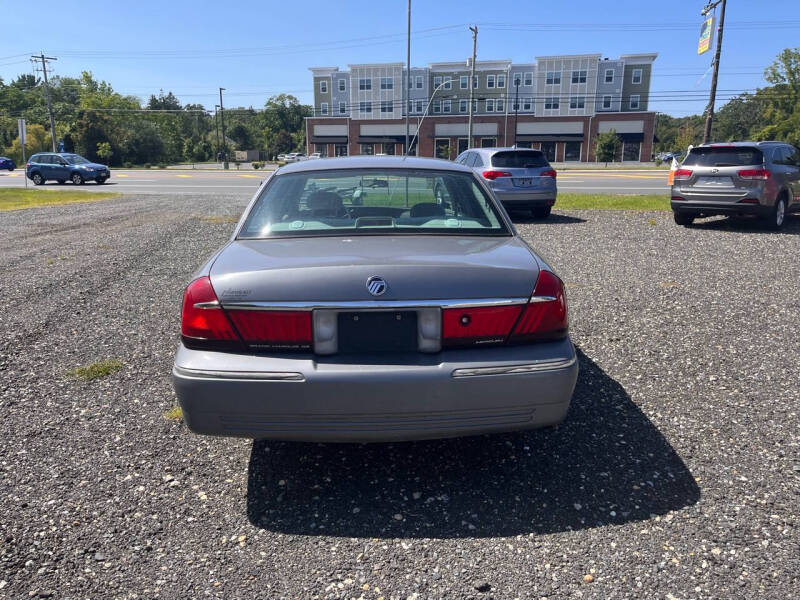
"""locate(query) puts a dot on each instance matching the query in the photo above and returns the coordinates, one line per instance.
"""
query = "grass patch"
(220, 219)
(19, 199)
(174, 414)
(96, 370)
(610, 202)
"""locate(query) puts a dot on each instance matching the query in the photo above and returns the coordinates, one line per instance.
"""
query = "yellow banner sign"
(705, 35)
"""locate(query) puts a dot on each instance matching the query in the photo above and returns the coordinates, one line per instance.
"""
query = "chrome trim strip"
(213, 304)
(247, 375)
(381, 304)
(543, 365)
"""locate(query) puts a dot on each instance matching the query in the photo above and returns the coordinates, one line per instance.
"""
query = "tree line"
(101, 124)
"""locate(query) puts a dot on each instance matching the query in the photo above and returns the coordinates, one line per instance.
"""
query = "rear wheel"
(683, 218)
(774, 218)
(541, 212)
(77, 179)
(37, 179)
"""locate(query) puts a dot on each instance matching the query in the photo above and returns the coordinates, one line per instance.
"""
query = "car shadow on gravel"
(607, 464)
(747, 225)
(554, 219)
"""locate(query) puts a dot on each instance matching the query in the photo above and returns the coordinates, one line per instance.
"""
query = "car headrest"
(427, 209)
(325, 204)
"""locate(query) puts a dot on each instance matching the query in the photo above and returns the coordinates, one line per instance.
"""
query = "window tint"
(734, 156)
(478, 160)
(43, 159)
(519, 159)
(792, 156)
(372, 202)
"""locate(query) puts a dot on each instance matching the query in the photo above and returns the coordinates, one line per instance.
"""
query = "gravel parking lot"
(676, 474)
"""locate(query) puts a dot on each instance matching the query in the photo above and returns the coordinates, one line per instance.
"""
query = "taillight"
(550, 173)
(762, 174)
(478, 326)
(545, 316)
(492, 175)
(203, 322)
(678, 199)
(273, 329)
(682, 174)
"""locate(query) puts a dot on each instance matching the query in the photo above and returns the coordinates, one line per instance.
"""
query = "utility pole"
(407, 95)
(717, 52)
(224, 143)
(216, 127)
(474, 31)
(44, 60)
(516, 108)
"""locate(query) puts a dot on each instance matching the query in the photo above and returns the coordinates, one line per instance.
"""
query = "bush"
(256, 164)
(147, 165)
(127, 165)
(162, 165)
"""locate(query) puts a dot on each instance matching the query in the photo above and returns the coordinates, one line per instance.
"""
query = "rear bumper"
(545, 197)
(719, 208)
(453, 393)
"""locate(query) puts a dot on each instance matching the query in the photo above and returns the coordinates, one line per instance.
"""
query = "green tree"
(104, 151)
(783, 101)
(607, 146)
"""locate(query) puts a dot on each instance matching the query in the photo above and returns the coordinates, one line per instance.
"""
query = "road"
(675, 475)
(243, 183)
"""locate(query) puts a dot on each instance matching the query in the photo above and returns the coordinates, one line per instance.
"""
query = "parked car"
(63, 166)
(520, 178)
(314, 155)
(7, 163)
(281, 157)
(405, 315)
(739, 178)
(294, 157)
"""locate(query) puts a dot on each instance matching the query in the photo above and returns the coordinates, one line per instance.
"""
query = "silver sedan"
(374, 299)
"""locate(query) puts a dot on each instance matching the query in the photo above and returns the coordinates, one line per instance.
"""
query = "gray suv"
(738, 178)
(520, 178)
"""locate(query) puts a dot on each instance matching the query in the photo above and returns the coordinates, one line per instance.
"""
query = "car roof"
(739, 144)
(374, 162)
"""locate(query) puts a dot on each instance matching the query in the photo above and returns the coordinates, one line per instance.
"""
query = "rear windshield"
(724, 157)
(372, 202)
(519, 159)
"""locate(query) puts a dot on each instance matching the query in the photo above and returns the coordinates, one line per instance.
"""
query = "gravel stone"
(680, 448)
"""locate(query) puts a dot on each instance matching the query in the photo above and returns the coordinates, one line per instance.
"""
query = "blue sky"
(265, 48)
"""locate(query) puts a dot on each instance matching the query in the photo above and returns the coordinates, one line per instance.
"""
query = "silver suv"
(520, 178)
(738, 178)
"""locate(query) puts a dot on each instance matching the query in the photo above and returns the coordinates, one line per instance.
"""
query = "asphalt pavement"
(675, 475)
(244, 183)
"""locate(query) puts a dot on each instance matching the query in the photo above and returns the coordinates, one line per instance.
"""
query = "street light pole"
(516, 108)
(474, 31)
(425, 114)
(216, 128)
(222, 118)
(408, 76)
(717, 53)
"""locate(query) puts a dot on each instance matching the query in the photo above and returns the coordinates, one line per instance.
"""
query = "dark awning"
(631, 137)
(382, 139)
(328, 139)
(556, 137)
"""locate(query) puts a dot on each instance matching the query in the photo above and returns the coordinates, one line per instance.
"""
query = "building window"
(437, 106)
(386, 106)
(528, 79)
(579, 77)
(490, 81)
(419, 82)
(365, 84)
(387, 83)
(516, 79)
(410, 107)
(635, 102)
(322, 149)
(501, 80)
(572, 151)
(637, 76)
(474, 105)
(448, 83)
(365, 107)
(609, 76)
(500, 106)
(340, 149)
(526, 103)
(463, 82)
(490, 105)
(631, 150)
(463, 105)
(446, 106)
(606, 101)
(515, 105)
(475, 82)
(419, 106)
(342, 85)
(342, 108)
(437, 81)
(323, 87)
(488, 142)
(577, 102)
(367, 148)
(323, 108)
(442, 148)
(551, 103)
(553, 78)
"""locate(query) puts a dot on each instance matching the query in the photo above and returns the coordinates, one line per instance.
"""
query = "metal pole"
(516, 109)
(717, 53)
(407, 94)
(216, 127)
(224, 143)
(474, 31)
(44, 60)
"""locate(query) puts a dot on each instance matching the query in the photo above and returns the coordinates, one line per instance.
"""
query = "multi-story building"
(557, 104)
